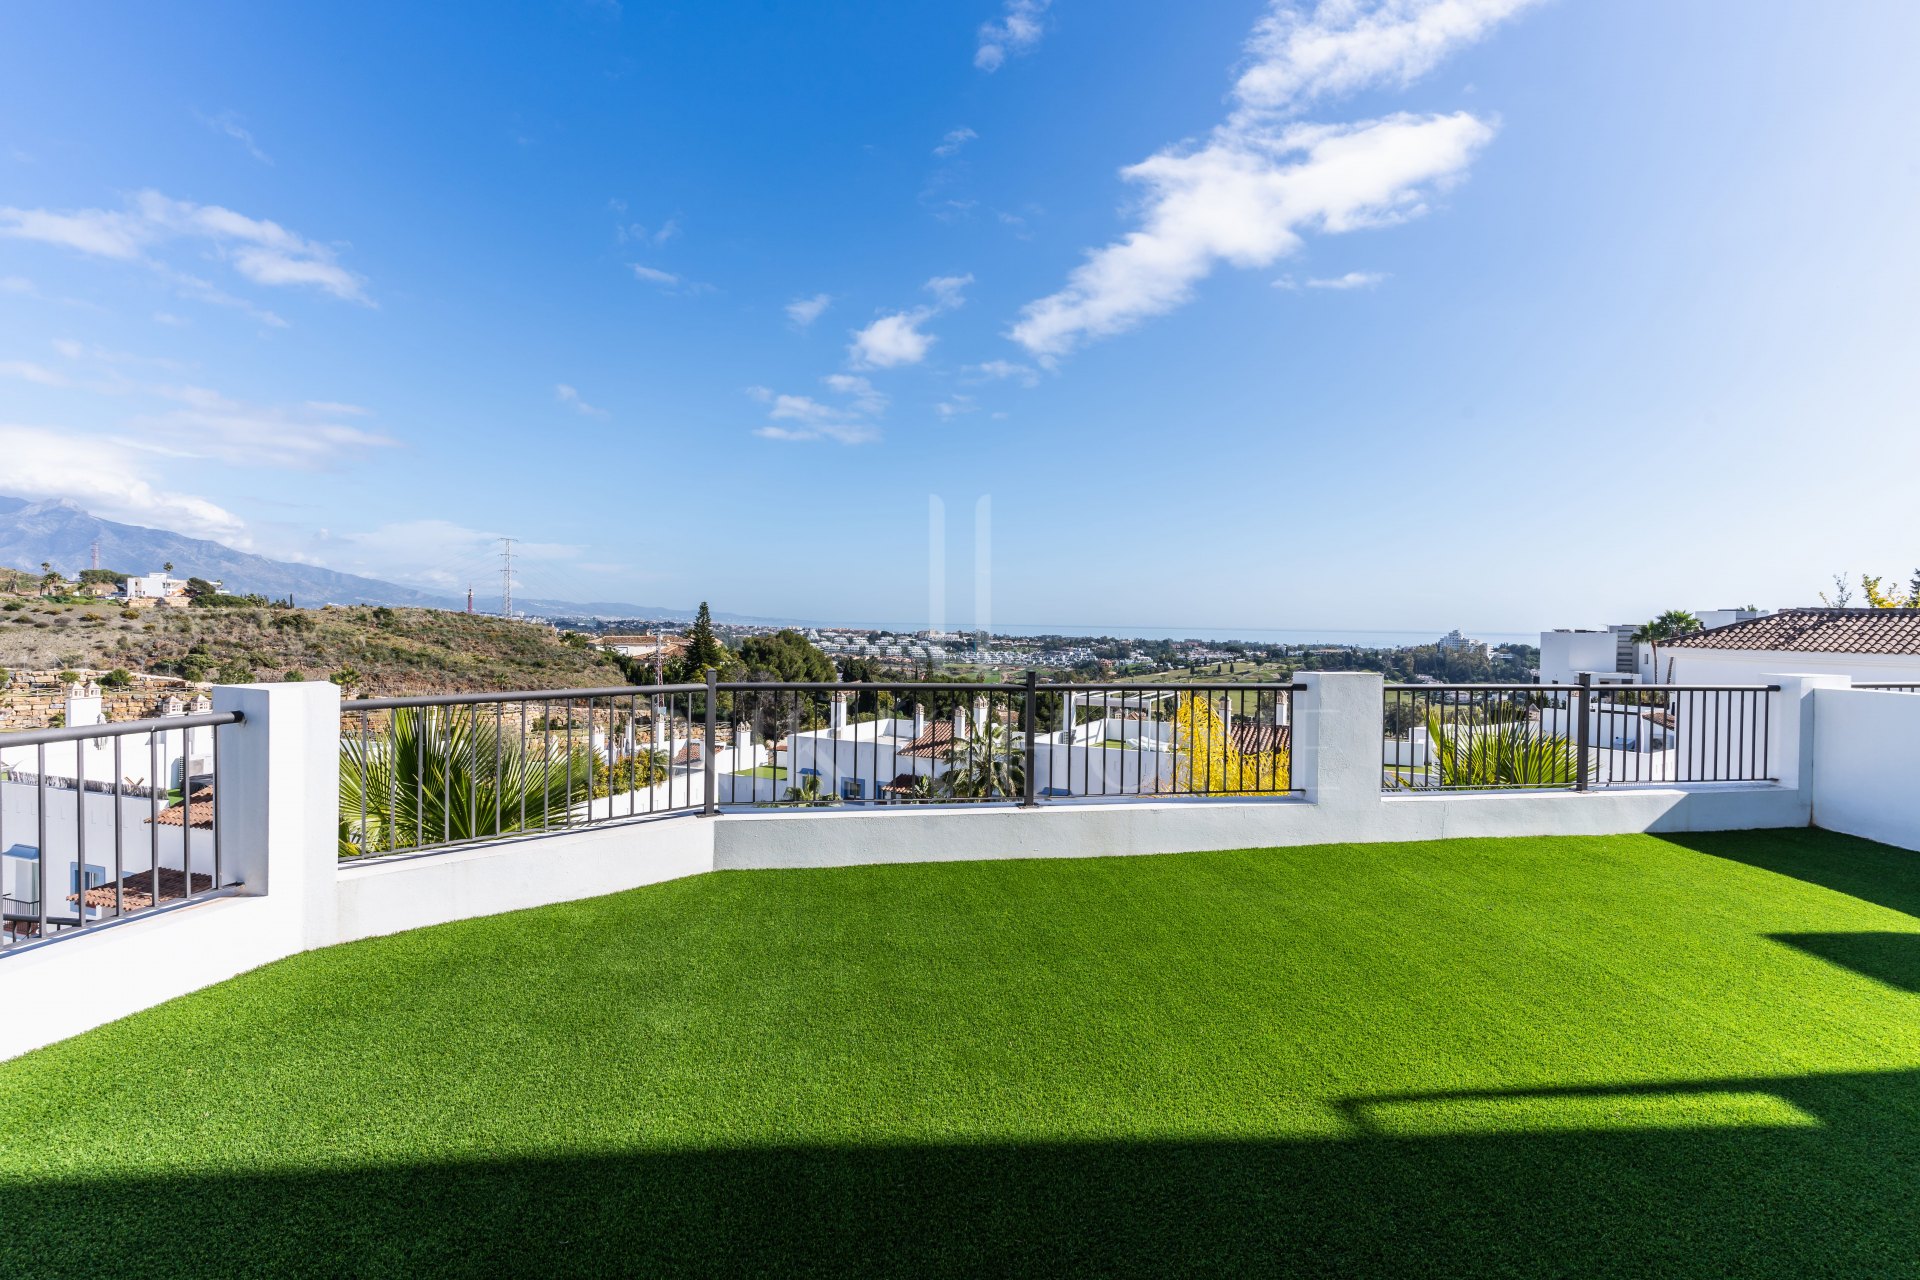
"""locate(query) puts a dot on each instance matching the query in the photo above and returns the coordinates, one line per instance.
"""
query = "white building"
(1612, 656)
(1871, 646)
(1454, 642)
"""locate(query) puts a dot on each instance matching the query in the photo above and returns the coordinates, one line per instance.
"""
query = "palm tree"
(1517, 754)
(1670, 625)
(433, 776)
(988, 765)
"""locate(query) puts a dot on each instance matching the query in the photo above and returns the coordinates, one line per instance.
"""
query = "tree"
(1882, 598)
(1207, 760)
(166, 568)
(785, 655)
(703, 650)
(1670, 625)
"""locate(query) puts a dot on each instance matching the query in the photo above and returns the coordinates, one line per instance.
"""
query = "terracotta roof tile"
(1884, 631)
(933, 744)
(136, 888)
(202, 815)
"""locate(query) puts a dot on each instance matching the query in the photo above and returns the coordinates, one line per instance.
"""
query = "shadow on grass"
(1832, 1194)
(1891, 958)
(1859, 868)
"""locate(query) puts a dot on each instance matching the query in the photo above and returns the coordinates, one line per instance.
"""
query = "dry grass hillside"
(384, 652)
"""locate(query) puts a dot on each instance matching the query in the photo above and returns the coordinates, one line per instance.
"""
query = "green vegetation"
(398, 652)
(432, 775)
(775, 771)
(1513, 754)
(1621, 1056)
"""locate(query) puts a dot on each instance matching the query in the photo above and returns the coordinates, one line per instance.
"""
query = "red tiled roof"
(933, 744)
(1886, 631)
(202, 814)
(1254, 737)
(136, 888)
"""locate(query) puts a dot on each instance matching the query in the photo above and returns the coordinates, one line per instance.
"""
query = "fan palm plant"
(432, 775)
(808, 793)
(1515, 754)
(988, 764)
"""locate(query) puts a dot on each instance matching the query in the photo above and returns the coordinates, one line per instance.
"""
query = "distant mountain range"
(62, 534)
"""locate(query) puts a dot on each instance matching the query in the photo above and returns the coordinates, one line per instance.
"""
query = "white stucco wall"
(1866, 778)
(1740, 666)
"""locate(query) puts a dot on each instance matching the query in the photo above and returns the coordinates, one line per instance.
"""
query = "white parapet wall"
(393, 894)
(279, 790)
(279, 804)
(1866, 771)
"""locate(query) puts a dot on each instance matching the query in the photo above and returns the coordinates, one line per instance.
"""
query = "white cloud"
(260, 250)
(19, 286)
(1347, 45)
(866, 399)
(1351, 280)
(896, 339)
(892, 340)
(208, 425)
(802, 312)
(1018, 30)
(955, 406)
(229, 124)
(45, 463)
(567, 395)
(797, 418)
(27, 371)
(653, 275)
(1006, 370)
(955, 139)
(169, 319)
(1246, 193)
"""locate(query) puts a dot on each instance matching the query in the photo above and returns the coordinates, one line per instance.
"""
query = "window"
(853, 789)
(96, 876)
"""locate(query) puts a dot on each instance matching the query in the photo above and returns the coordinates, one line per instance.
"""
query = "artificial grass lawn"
(1626, 1055)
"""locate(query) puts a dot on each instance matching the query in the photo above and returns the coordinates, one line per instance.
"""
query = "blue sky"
(1357, 314)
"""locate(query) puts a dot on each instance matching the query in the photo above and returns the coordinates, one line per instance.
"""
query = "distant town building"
(1454, 642)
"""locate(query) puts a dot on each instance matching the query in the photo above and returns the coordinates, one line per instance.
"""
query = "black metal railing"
(71, 854)
(1573, 737)
(1891, 686)
(429, 773)
(432, 772)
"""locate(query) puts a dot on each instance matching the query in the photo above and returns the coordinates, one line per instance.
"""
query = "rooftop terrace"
(1598, 1055)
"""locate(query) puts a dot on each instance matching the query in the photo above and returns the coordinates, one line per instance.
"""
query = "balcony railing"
(72, 855)
(1574, 737)
(421, 774)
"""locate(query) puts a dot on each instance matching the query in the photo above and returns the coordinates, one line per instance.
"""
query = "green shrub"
(118, 678)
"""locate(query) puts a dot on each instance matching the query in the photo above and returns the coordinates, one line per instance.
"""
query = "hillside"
(390, 652)
(62, 534)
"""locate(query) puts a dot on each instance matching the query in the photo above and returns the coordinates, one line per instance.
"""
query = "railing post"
(1581, 704)
(1031, 714)
(706, 750)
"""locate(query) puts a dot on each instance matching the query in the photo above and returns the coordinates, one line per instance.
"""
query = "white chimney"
(980, 710)
(959, 723)
(919, 721)
(837, 713)
(83, 708)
